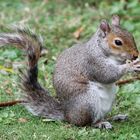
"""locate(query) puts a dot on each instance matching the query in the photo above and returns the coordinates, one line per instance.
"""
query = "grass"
(57, 21)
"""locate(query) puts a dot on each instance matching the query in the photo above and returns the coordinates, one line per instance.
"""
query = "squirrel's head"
(120, 42)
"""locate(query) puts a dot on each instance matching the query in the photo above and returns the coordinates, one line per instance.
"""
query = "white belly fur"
(103, 98)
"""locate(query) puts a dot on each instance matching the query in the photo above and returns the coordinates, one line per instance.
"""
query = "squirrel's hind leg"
(77, 113)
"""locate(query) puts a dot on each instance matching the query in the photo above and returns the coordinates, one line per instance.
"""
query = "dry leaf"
(2, 69)
(78, 32)
(68, 126)
(9, 91)
(22, 120)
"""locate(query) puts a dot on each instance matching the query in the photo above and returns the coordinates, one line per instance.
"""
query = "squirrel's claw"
(133, 66)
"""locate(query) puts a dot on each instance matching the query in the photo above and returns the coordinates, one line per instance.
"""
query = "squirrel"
(84, 76)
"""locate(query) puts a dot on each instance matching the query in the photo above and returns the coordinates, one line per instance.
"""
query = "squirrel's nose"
(134, 57)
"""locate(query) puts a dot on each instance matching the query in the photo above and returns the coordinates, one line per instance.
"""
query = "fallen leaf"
(9, 91)
(68, 126)
(2, 68)
(22, 120)
(78, 32)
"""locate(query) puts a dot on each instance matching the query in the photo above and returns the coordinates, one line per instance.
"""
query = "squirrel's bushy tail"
(36, 99)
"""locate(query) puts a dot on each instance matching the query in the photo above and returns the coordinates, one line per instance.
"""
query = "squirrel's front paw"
(133, 66)
(105, 125)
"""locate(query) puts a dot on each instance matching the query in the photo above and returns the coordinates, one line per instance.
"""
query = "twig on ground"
(121, 82)
(10, 103)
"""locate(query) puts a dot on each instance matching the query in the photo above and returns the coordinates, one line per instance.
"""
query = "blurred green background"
(63, 23)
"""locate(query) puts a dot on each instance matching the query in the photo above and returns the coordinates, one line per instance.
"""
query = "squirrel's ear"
(115, 20)
(104, 26)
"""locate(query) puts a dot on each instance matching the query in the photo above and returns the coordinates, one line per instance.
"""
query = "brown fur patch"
(128, 45)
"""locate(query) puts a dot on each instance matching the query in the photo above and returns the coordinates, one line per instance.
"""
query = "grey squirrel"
(84, 76)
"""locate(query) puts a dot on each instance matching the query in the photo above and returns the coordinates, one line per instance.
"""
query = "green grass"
(56, 21)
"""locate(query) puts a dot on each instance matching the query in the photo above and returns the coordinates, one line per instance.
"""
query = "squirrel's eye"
(118, 42)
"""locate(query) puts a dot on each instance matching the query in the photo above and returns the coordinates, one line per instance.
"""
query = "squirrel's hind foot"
(120, 117)
(103, 125)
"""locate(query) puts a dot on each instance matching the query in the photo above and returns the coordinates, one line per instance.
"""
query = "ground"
(63, 23)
